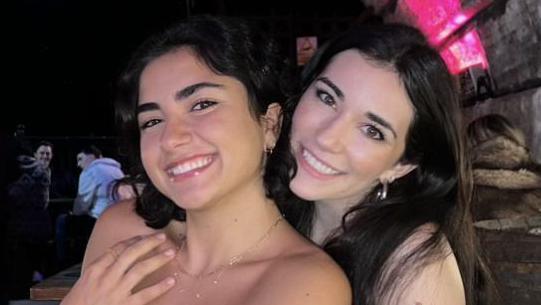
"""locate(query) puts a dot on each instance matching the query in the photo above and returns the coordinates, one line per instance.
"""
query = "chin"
(191, 203)
(304, 193)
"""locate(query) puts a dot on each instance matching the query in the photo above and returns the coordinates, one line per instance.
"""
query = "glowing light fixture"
(464, 52)
(438, 19)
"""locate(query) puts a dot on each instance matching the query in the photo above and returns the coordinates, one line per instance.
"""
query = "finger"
(100, 282)
(101, 264)
(113, 253)
(150, 293)
(143, 268)
(124, 244)
(134, 252)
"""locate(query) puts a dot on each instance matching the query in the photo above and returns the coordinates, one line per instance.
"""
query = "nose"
(330, 134)
(175, 134)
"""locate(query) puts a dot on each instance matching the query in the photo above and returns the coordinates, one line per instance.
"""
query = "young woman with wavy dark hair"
(201, 106)
(380, 166)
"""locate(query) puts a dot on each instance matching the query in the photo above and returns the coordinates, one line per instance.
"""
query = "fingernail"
(160, 236)
(169, 253)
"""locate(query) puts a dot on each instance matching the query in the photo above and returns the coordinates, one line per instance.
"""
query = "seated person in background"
(94, 195)
(507, 181)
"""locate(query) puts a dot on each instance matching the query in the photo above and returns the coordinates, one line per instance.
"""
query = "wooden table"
(514, 257)
(57, 286)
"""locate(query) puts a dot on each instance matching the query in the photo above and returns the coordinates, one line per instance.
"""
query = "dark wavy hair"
(228, 46)
(437, 192)
(92, 150)
(43, 143)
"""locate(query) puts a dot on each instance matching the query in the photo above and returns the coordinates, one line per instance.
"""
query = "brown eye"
(326, 98)
(202, 105)
(149, 123)
(373, 132)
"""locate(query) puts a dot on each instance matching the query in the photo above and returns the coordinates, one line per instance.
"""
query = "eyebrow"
(186, 92)
(180, 95)
(146, 107)
(333, 86)
(376, 118)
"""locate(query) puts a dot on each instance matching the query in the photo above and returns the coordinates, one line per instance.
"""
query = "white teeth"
(189, 166)
(318, 166)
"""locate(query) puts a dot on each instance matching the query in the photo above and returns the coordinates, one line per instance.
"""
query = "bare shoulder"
(310, 276)
(119, 222)
(437, 282)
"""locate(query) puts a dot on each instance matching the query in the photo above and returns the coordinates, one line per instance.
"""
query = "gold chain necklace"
(219, 271)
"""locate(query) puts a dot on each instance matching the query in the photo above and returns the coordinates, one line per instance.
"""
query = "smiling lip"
(189, 167)
(315, 166)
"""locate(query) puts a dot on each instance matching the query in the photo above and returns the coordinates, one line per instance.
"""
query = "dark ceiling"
(65, 55)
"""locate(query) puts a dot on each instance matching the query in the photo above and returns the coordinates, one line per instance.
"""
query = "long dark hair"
(228, 46)
(437, 192)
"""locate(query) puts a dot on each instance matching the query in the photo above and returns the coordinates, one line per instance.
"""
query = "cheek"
(370, 159)
(147, 150)
(303, 111)
(304, 117)
(250, 141)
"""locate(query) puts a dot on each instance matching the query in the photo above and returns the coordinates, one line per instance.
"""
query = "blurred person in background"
(28, 224)
(507, 180)
(94, 195)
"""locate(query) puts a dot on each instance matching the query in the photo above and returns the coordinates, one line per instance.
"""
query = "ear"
(396, 172)
(272, 123)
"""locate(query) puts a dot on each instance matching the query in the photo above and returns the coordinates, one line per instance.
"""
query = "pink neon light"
(438, 19)
(460, 18)
(465, 52)
(434, 16)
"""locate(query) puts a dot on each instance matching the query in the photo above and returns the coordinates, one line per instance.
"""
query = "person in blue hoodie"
(94, 195)
(95, 192)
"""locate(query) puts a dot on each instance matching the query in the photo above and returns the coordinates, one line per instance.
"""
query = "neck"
(327, 219)
(225, 229)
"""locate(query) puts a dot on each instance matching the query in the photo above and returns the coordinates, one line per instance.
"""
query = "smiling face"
(199, 141)
(349, 130)
(44, 154)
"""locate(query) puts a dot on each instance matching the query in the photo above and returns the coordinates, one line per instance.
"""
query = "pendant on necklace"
(218, 272)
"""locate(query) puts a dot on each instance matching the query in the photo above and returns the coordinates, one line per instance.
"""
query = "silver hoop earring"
(382, 192)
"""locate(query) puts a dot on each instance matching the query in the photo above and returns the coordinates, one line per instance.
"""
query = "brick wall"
(512, 39)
